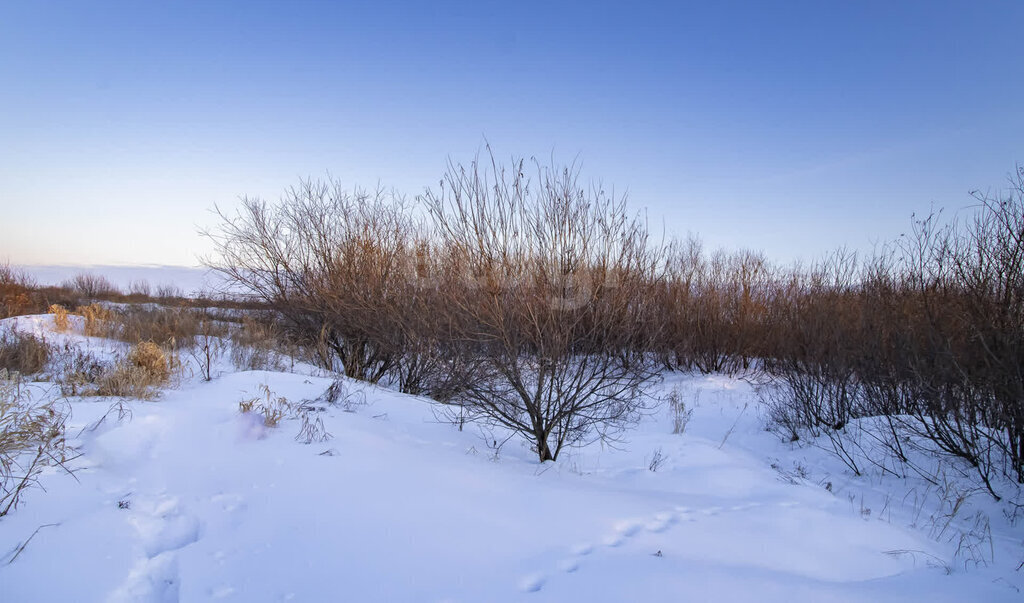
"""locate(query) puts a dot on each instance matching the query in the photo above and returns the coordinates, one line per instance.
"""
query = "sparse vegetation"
(678, 410)
(271, 408)
(31, 438)
(256, 344)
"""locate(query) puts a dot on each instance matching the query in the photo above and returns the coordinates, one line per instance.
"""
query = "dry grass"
(139, 374)
(271, 407)
(61, 324)
(678, 410)
(148, 357)
(171, 327)
(97, 321)
(257, 345)
(31, 438)
(23, 353)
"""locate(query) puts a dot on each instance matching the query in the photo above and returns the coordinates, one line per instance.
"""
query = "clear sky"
(789, 127)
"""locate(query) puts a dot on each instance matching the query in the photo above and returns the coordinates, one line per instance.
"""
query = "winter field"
(374, 496)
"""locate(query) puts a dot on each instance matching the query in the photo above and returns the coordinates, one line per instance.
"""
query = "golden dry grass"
(97, 320)
(61, 324)
(139, 374)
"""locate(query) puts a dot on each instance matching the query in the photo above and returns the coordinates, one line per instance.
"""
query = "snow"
(188, 499)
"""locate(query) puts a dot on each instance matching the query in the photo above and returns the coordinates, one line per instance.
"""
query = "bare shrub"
(208, 346)
(31, 438)
(169, 292)
(928, 335)
(329, 263)
(23, 353)
(140, 288)
(559, 275)
(712, 308)
(91, 286)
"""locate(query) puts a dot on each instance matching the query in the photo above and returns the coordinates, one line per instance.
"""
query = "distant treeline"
(20, 294)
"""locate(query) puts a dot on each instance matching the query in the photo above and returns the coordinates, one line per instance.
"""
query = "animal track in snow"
(622, 531)
(569, 565)
(163, 528)
(660, 523)
(532, 583)
(583, 549)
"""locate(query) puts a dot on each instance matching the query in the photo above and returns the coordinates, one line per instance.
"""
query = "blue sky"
(790, 127)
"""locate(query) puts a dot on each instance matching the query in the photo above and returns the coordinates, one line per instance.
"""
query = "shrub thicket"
(523, 300)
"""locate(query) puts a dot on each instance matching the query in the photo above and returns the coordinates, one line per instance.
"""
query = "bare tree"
(551, 303)
(330, 263)
(91, 286)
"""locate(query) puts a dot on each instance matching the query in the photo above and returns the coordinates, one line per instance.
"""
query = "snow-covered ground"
(188, 499)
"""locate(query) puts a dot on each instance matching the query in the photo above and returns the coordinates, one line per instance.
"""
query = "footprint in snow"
(622, 531)
(583, 549)
(222, 592)
(152, 579)
(229, 503)
(628, 528)
(661, 522)
(163, 528)
(532, 583)
(569, 565)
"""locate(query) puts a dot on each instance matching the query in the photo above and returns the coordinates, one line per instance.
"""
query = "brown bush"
(16, 293)
(148, 357)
